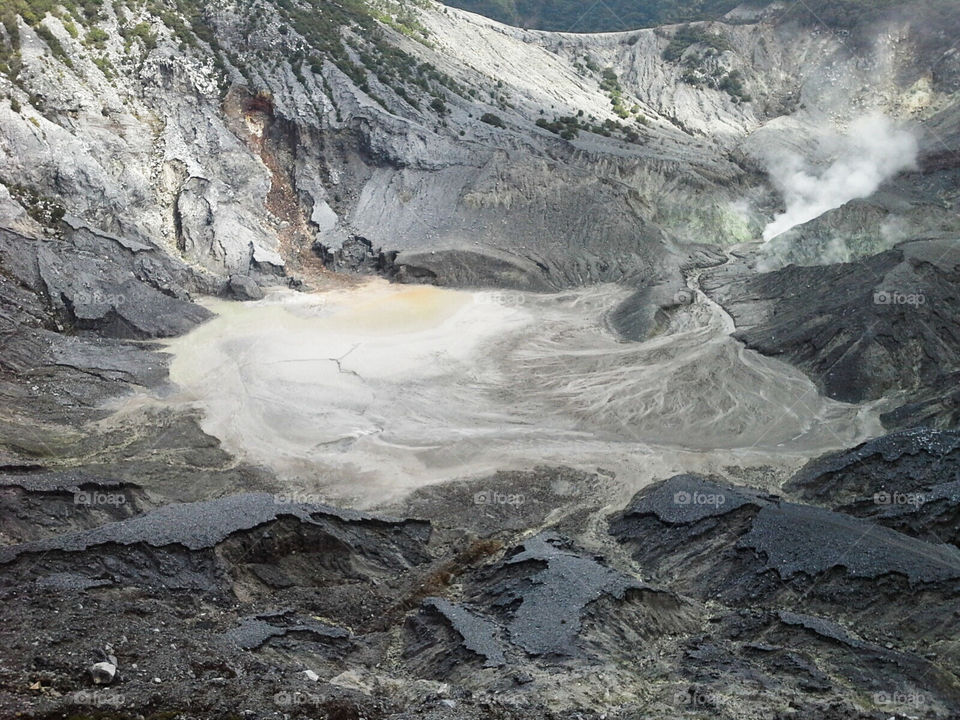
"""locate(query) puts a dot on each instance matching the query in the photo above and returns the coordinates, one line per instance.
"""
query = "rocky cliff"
(232, 138)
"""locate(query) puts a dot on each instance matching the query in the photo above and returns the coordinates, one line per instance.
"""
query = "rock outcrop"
(879, 326)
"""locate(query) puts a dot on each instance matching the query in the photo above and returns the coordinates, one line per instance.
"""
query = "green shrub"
(733, 85)
(105, 66)
(687, 36)
(45, 211)
(566, 127)
(10, 49)
(491, 119)
(143, 32)
(97, 37)
(609, 81)
(92, 10)
(56, 49)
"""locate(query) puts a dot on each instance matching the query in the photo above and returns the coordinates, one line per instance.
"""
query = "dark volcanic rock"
(39, 504)
(820, 626)
(548, 602)
(912, 459)
(800, 539)
(776, 554)
(70, 481)
(877, 326)
(479, 635)
(789, 538)
(355, 254)
(686, 499)
(455, 267)
(118, 291)
(870, 602)
(174, 544)
(908, 480)
(554, 595)
(202, 525)
(91, 280)
(244, 287)
(254, 631)
(542, 591)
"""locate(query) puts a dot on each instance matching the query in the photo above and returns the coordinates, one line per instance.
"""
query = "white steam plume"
(873, 150)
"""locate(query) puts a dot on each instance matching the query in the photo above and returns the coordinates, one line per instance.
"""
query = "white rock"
(103, 672)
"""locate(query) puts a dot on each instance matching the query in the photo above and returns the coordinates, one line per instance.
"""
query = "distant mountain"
(585, 16)
(593, 15)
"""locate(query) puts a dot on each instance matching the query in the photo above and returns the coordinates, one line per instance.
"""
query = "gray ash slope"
(138, 173)
(880, 326)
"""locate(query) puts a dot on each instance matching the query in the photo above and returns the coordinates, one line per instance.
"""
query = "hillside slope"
(240, 142)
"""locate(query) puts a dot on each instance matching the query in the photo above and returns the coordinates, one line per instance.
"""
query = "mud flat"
(363, 394)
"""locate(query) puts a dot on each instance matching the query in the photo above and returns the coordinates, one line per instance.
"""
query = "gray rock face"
(909, 481)
(480, 636)
(253, 632)
(790, 538)
(92, 281)
(546, 601)
(909, 460)
(103, 673)
(547, 622)
(685, 499)
(771, 553)
(244, 287)
(857, 328)
(240, 166)
(200, 525)
(796, 539)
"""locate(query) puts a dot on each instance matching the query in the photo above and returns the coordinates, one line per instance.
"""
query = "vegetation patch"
(687, 36)
(610, 84)
(352, 34)
(56, 49)
(576, 16)
(701, 65)
(613, 15)
(491, 119)
(45, 211)
(569, 127)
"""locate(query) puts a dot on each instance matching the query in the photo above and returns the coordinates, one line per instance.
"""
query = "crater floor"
(361, 395)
